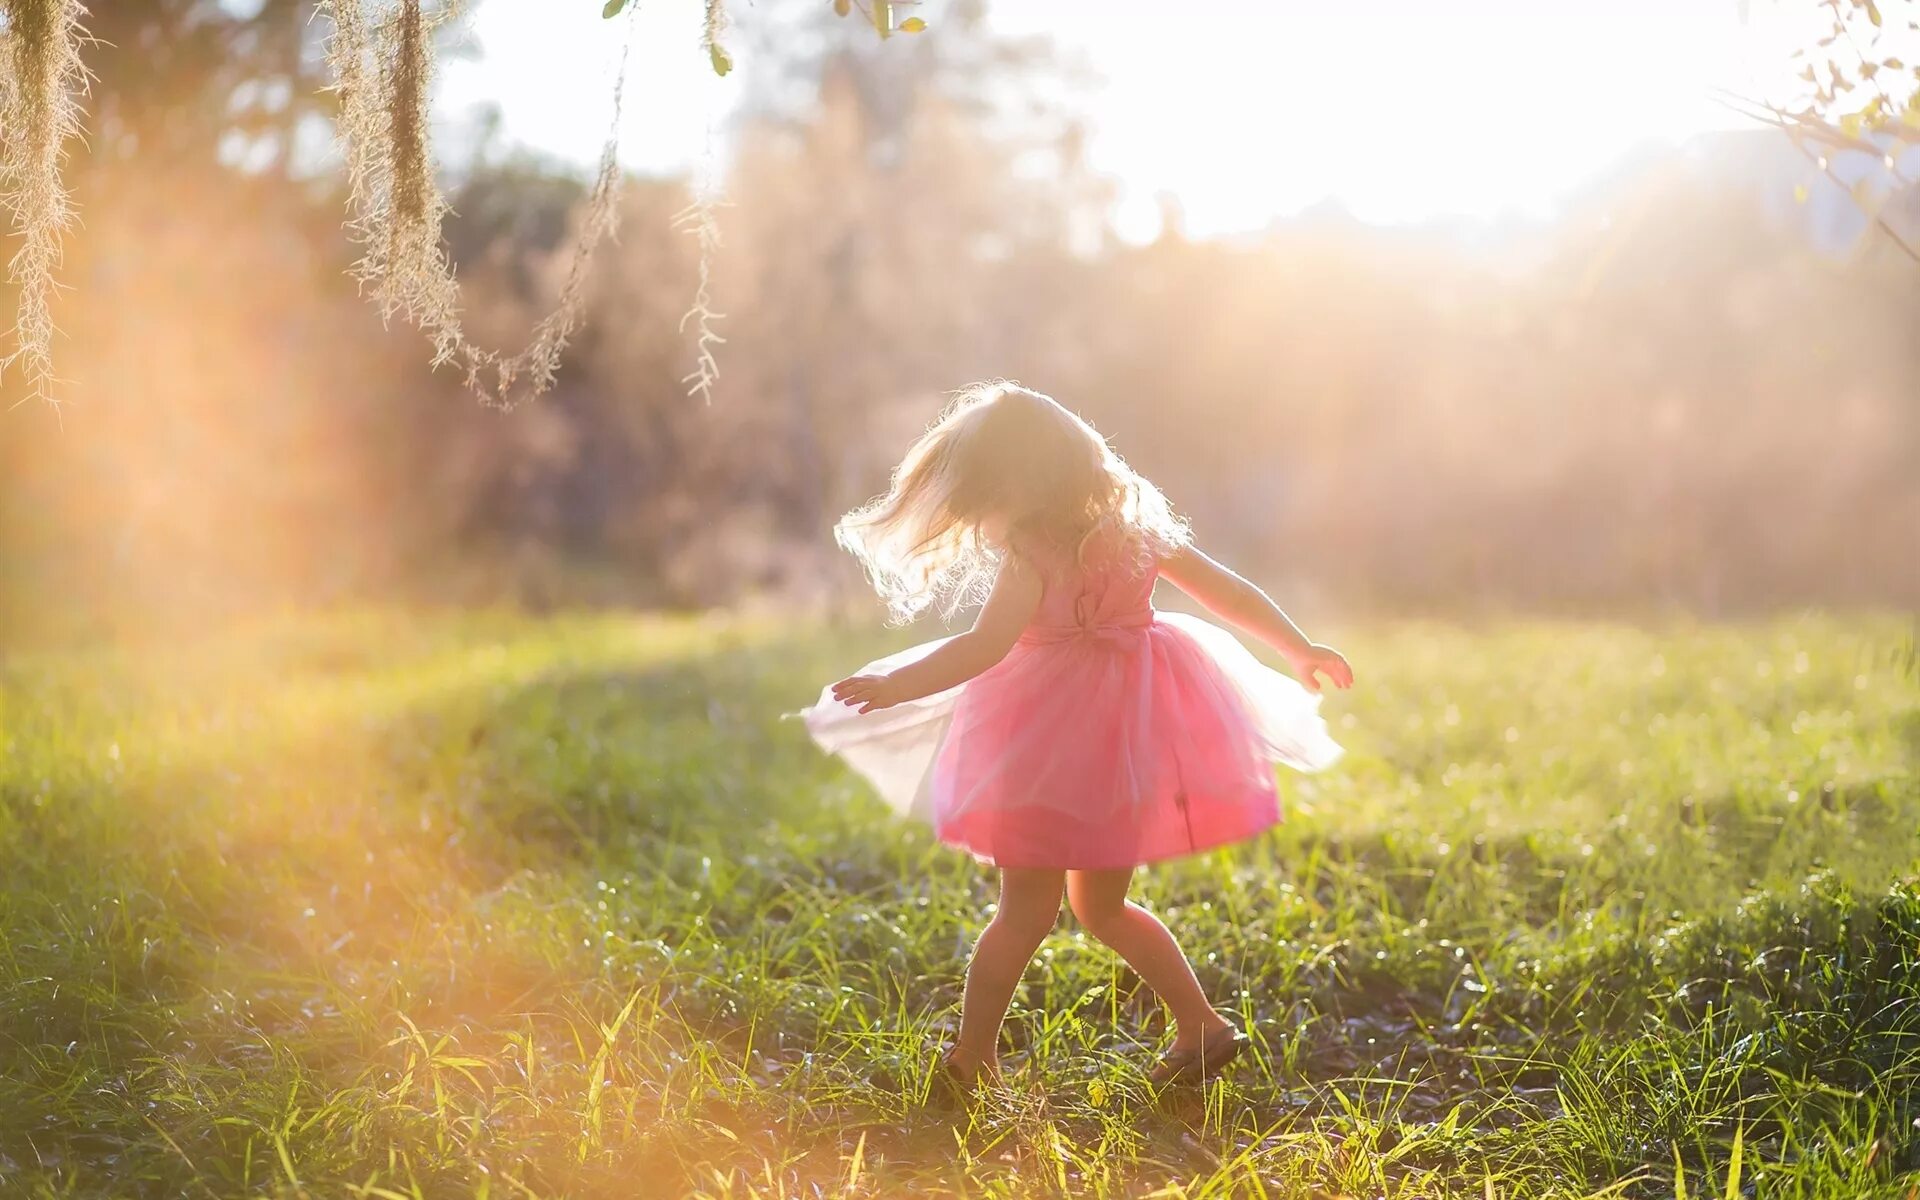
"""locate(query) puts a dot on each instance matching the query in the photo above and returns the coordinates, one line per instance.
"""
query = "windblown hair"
(1005, 454)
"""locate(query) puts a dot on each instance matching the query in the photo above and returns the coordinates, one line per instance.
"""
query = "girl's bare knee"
(1101, 917)
(1098, 898)
(1099, 914)
(1029, 903)
(1032, 926)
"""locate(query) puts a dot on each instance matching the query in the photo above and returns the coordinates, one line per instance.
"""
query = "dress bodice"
(1106, 599)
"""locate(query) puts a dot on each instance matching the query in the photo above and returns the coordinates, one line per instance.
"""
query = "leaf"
(859, 1160)
(913, 25)
(1800, 193)
(721, 62)
(1733, 1167)
(612, 8)
(842, 7)
(1873, 13)
(286, 1160)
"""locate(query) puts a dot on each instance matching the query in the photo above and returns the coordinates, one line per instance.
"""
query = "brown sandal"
(1197, 1066)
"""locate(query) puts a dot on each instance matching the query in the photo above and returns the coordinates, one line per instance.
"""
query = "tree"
(1861, 102)
(196, 80)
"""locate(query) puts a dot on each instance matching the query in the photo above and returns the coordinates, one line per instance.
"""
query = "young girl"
(1074, 733)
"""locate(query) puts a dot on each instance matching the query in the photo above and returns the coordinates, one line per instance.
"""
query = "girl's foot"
(1217, 1028)
(964, 1072)
(1204, 1057)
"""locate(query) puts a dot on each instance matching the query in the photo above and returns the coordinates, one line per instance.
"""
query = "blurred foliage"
(1689, 391)
(1859, 84)
(884, 14)
(192, 81)
(1861, 102)
(1866, 101)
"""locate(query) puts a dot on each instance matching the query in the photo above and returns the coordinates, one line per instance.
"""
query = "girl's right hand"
(867, 692)
(1318, 660)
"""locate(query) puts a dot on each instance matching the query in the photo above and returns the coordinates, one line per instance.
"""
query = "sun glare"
(1397, 110)
(1404, 111)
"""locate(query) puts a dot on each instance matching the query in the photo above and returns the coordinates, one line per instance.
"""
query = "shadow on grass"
(217, 938)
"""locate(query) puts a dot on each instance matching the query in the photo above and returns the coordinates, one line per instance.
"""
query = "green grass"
(388, 905)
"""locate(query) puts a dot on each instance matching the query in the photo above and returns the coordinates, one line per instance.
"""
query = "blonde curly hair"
(1002, 454)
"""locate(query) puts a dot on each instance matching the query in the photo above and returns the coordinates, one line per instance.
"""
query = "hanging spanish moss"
(383, 69)
(406, 93)
(698, 221)
(41, 82)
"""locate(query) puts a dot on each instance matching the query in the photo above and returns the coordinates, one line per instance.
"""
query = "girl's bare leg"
(1099, 900)
(1029, 905)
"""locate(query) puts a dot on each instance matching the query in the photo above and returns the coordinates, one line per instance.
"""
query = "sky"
(1399, 110)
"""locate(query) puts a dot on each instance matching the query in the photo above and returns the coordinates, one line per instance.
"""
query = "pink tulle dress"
(1111, 735)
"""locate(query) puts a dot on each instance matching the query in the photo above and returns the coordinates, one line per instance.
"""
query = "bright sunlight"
(1398, 110)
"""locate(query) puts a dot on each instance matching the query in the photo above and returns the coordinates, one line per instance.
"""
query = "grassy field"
(379, 905)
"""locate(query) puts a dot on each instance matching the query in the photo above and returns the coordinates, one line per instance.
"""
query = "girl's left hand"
(1318, 660)
(867, 692)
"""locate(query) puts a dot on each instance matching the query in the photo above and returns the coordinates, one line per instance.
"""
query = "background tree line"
(1692, 390)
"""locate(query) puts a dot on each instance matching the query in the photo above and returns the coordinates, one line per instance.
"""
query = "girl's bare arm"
(1250, 610)
(1015, 596)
